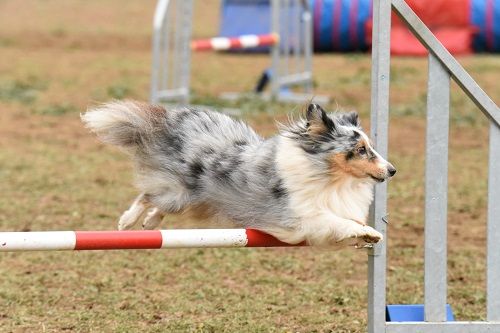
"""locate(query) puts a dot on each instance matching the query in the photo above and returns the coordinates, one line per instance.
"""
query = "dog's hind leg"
(130, 217)
(153, 219)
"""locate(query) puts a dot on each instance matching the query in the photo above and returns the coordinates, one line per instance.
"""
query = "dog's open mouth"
(380, 180)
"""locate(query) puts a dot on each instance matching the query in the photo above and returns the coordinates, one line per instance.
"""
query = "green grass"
(24, 91)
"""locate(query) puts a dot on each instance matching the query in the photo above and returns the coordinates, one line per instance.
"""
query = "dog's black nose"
(391, 170)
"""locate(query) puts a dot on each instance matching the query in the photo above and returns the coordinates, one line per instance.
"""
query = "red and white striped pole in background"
(228, 43)
(146, 239)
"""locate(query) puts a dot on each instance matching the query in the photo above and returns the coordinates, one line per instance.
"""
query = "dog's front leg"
(153, 219)
(330, 229)
(130, 217)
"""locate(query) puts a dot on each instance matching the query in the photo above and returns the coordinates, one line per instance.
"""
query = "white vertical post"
(285, 11)
(177, 50)
(159, 17)
(171, 65)
(164, 52)
(275, 51)
(186, 27)
(436, 190)
(285, 36)
(307, 44)
(379, 132)
(296, 30)
(493, 250)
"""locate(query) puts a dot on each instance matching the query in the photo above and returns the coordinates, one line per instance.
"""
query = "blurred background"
(59, 57)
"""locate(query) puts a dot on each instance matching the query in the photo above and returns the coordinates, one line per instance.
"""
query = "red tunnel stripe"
(353, 25)
(337, 11)
(259, 239)
(118, 240)
(490, 38)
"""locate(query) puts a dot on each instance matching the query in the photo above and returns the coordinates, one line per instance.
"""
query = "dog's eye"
(362, 150)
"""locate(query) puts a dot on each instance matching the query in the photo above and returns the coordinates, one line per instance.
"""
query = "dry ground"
(58, 57)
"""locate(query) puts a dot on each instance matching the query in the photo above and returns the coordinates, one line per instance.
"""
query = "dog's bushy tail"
(125, 124)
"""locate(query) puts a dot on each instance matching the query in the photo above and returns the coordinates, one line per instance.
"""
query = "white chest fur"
(312, 193)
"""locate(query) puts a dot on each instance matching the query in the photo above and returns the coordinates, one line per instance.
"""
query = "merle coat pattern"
(309, 183)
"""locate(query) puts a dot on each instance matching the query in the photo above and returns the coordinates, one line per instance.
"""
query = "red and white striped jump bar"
(147, 239)
(228, 43)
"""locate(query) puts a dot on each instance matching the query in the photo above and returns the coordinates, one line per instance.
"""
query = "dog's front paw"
(152, 220)
(127, 220)
(360, 237)
(371, 236)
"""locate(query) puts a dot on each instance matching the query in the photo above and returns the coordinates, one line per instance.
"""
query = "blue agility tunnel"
(485, 15)
(340, 25)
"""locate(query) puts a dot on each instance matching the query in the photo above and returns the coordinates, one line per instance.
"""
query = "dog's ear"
(351, 118)
(318, 122)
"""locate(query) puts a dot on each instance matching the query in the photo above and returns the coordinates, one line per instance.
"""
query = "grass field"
(58, 57)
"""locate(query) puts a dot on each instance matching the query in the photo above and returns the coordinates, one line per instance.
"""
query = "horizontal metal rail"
(171, 94)
(443, 327)
(284, 96)
(298, 78)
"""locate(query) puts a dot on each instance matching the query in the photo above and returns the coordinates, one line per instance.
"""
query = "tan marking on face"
(356, 167)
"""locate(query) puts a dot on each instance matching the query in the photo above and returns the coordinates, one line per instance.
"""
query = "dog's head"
(337, 145)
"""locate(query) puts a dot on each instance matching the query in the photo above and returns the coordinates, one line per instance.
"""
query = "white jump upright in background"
(171, 63)
(290, 41)
(442, 67)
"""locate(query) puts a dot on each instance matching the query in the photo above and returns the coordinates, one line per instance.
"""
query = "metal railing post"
(493, 230)
(379, 131)
(160, 12)
(308, 45)
(436, 190)
(275, 50)
(185, 52)
(171, 59)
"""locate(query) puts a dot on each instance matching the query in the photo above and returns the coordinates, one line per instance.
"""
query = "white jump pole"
(146, 239)
(230, 43)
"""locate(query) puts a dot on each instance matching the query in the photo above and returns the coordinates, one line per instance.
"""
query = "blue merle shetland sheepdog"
(312, 182)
